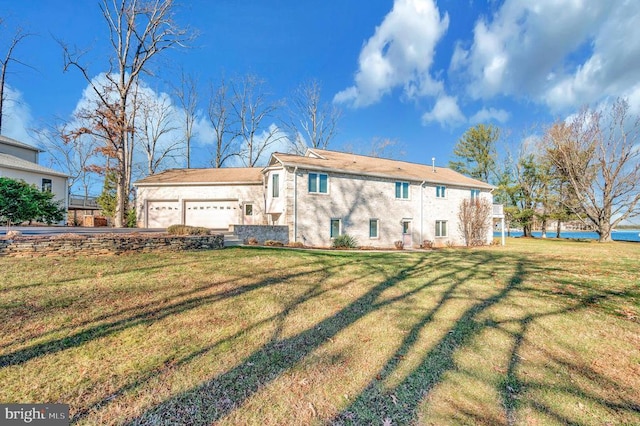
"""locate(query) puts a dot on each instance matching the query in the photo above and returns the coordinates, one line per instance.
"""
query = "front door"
(406, 233)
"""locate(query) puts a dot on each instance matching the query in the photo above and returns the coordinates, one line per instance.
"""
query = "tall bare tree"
(597, 151)
(9, 57)
(312, 123)
(138, 31)
(73, 156)
(155, 124)
(224, 127)
(187, 95)
(252, 108)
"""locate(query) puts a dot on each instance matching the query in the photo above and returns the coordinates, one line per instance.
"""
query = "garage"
(212, 213)
(163, 213)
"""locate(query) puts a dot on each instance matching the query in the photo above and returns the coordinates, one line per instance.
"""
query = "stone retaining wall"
(262, 233)
(106, 245)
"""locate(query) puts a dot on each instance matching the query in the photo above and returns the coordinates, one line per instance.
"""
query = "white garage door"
(211, 214)
(162, 214)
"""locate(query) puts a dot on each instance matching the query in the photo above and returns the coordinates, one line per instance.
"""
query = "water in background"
(622, 235)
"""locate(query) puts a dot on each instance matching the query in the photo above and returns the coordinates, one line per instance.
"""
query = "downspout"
(295, 204)
(422, 211)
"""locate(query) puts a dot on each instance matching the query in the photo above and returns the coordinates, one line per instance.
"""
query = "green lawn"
(534, 333)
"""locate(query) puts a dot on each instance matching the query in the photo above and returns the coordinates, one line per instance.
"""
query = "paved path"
(54, 230)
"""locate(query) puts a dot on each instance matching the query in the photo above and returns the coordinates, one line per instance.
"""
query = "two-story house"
(318, 196)
(378, 201)
(19, 161)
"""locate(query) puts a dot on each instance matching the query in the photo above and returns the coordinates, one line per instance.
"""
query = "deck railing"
(82, 202)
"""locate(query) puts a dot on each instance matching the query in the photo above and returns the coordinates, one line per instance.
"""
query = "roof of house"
(8, 141)
(12, 162)
(239, 175)
(324, 160)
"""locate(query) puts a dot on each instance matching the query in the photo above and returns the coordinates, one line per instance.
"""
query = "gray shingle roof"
(238, 175)
(9, 141)
(11, 162)
(318, 159)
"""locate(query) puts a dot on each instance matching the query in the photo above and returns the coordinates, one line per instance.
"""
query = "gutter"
(295, 204)
(422, 211)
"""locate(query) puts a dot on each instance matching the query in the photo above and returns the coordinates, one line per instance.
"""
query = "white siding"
(355, 200)
(233, 196)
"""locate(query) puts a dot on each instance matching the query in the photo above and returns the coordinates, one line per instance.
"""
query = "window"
(475, 194)
(402, 190)
(441, 191)
(275, 185)
(373, 228)
(406, 227)
(318, 182)
(441, 228)
(335, 227)
(248, 209)
(47, 186)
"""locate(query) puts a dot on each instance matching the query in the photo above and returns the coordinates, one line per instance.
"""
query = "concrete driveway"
(54, 230)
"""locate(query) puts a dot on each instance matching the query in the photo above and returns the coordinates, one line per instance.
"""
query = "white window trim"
(446, 235)
(317, 183)
(402, 182)
(339, 227)
(377, 237)
(446, 192)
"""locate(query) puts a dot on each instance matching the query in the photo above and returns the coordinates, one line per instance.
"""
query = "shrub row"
(187, 230)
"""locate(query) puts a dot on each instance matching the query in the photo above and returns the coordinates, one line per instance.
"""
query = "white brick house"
(319, 196)
(377, 201)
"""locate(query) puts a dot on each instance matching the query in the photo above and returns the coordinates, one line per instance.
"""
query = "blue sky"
(419, 72)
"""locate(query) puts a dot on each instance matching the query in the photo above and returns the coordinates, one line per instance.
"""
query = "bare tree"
(312, 123)
(4, 65)
(474, 221)
(599, 157)
(138, 31)
(73, 156)
(187, 95)
(251, 108)
(224, 129)
(155, 125)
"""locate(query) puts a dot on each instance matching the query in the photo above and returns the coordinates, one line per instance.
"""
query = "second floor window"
(441, 191)
(475, 194)
(275, 186)
(402, 190)
(318, 182)
(47, 185)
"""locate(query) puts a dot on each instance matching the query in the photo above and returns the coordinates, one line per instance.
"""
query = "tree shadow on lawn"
(203, 288)
(218, 397)
(98, 331)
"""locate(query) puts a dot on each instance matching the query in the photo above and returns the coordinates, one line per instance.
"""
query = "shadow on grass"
(218, 397)
(98, 331)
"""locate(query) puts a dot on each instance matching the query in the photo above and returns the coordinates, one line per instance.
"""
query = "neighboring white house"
(20, 161)
(318, 196)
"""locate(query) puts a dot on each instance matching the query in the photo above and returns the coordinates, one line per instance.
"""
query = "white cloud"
(16, 117)
(445, 111)
(562, 53)
(488, 114)
(399, 54)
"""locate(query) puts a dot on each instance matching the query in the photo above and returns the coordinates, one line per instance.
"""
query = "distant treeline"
(628, 227)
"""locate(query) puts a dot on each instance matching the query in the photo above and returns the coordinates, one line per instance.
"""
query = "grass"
(535, 333)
